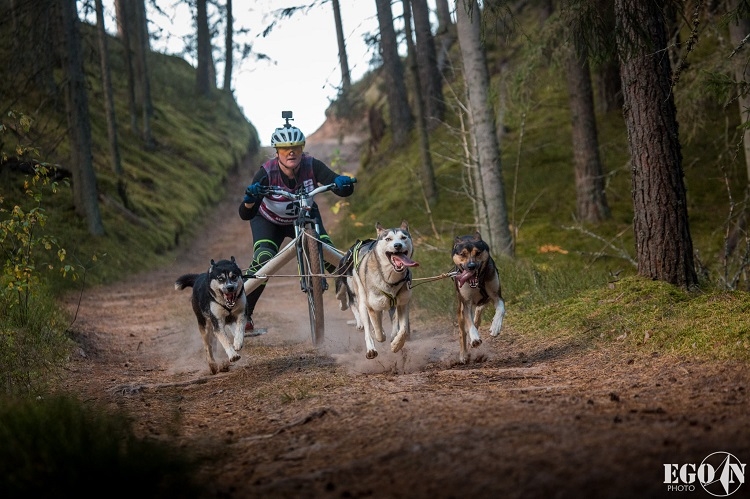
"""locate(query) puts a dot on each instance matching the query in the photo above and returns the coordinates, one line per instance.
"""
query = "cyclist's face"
(289, 157)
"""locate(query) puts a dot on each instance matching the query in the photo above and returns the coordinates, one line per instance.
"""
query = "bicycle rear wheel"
(315, 285)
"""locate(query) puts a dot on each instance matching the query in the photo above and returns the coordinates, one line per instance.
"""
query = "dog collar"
(407, 277)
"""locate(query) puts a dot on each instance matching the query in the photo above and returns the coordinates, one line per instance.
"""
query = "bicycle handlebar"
(294, 196)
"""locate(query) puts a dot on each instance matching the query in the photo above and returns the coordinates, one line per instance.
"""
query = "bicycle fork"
(303, 265)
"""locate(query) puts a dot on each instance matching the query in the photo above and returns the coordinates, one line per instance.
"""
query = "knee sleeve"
(263, 251)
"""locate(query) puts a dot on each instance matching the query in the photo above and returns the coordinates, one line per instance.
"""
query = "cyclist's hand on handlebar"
(254, 192)
(344, 183)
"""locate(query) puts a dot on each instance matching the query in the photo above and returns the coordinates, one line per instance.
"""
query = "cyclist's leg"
(267, 238)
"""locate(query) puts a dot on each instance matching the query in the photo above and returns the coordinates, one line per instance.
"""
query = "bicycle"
(311, 254)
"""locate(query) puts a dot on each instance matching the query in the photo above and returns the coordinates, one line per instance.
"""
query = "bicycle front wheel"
(315, 285)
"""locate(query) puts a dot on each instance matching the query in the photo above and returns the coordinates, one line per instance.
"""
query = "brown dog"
(477, 284)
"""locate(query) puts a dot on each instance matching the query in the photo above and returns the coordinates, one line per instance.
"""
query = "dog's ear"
(232, 258)
(405, 225)
(457, 240)
(477, 236)
(378, 227)
(211, 266)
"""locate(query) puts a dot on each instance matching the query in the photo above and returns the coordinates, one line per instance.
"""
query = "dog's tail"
(185, 281)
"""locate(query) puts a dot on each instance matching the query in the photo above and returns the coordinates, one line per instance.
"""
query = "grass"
(32, 348)
(646, 316)
(59, 447)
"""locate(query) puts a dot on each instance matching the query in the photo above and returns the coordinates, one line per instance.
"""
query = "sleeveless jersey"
(280, 210)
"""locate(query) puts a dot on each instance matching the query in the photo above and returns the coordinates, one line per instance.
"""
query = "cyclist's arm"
(246, 210)
(324, 175)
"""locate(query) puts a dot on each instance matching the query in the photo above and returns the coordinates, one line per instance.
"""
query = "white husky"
(375, 277)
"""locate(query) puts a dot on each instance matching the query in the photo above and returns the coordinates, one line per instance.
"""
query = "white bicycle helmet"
(287, 136)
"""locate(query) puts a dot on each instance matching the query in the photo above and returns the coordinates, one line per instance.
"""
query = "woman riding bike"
(272, 217)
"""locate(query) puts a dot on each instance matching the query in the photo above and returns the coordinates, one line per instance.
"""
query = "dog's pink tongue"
(403, 260)
(463, 277)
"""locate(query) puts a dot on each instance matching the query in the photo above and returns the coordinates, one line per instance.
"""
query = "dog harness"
(278, 209)
(358, 247)
(353, 256)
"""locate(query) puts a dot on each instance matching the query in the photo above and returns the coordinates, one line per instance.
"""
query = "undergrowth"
(58, 447)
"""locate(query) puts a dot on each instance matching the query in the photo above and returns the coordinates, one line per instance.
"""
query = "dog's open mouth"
(231, 299)
(400, 261)
(467, 275)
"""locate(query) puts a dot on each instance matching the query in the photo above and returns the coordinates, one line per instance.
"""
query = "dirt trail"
(526, 420)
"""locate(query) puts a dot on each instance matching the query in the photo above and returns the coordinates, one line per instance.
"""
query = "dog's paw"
(213, 367)
(475, 343)
(379, 335)
(398, 342)
(371, 354)
(235, 357)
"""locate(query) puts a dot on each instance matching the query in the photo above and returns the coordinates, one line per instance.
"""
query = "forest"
(600, 147)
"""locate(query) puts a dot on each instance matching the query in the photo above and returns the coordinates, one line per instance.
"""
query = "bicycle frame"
(284, 256)
(311, 254)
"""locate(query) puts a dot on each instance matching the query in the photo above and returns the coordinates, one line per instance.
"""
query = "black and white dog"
(219, 303)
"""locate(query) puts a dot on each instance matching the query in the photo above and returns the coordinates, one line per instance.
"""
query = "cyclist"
(272, 218)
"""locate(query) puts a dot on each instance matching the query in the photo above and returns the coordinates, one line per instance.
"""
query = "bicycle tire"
(315, 285)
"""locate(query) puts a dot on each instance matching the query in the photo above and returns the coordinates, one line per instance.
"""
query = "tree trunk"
(591, 201)
(79, 127)
(124, 13)
(229, 49)
(664, 247)
(109, 100)
(142, 71)
(133, 27)
(346, 79)
(495, 227)
(607, 75)
(738, 30)
(443, 10)
(203, 71)
(431, 81)
(428, 174)
(609, 87)
(398, 102)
